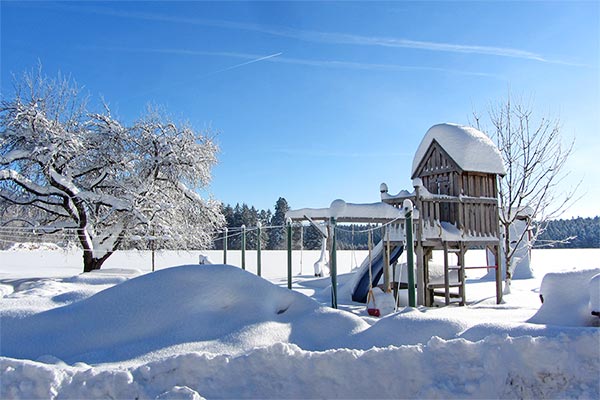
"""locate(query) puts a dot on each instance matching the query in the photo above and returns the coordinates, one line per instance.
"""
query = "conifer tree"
(277, 235)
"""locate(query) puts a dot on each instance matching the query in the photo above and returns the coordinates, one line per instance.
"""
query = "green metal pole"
(333, 266)
(225, 247)
(243, 247)
(289, 253)
(258, 267)
(408, 208)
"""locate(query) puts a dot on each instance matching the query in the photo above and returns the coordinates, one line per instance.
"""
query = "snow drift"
(498, 367)
(569, 298)
(219, 304)
(221, 332)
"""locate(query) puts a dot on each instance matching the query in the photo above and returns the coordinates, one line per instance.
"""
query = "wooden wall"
(471, 204)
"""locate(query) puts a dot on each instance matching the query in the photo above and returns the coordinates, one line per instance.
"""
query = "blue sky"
(315, 101)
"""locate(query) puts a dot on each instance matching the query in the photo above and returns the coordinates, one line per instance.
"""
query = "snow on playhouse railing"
(472, 217)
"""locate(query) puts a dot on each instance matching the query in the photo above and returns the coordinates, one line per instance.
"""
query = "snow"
(471, 149)
(216, 331)
(402, 194)
(594, 288)
(521, 263)
(34, 246)
(342, 210)
(567, 298)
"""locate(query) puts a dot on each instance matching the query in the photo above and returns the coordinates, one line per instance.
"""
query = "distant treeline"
(273, 234)
(584, 231)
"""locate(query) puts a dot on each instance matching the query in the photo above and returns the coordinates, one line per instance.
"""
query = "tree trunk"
(507, 253)
(91, 263)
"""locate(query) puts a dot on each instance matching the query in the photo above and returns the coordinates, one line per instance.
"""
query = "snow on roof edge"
(470, 148)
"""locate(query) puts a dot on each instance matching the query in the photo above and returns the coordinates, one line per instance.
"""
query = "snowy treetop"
(470, 148)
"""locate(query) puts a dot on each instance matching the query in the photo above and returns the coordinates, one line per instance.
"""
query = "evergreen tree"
(228, 213)
(277, 235)
(312, 238)
(297, 235)
(250, 218)
(265, 217)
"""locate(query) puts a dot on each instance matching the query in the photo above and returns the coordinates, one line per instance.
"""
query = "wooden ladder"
(443, 289)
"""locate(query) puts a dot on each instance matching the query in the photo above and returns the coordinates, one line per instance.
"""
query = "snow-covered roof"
(471, 149)
(342, 210)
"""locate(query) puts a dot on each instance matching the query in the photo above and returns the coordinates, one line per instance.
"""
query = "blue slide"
(361, 289)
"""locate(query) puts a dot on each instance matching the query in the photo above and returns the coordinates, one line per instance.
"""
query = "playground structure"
(455, 176)
(341, 212)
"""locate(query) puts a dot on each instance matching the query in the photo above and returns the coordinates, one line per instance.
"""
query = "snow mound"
(410, 327)
(217, 304)
(5, 290)
(27, 246)
(567, 298)
(180, 393)
(108, 276)
(595, 293)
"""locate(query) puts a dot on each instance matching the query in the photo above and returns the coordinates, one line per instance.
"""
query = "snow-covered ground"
(216, 331)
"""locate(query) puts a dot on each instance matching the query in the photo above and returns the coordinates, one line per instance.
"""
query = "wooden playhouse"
(455, 175)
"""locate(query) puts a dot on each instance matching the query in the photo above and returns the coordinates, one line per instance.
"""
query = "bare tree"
(63, 167)
(534, 156)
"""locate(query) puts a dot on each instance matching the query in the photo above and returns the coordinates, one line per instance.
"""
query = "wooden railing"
(474, 216)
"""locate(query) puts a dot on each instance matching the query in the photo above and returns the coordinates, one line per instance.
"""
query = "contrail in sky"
(325, 37)
(157, 87)
(246, 63)
(276, 58)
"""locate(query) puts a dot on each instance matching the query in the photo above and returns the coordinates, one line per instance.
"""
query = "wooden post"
(408, 208)
(301, 246)
(422, 274)
(446, 275)
(243, 247)
(333, 263)
(225, 246)
(499, 254)
(258, 245)
(461, 271)
(289, 253)
(385, 237)
(152, 243)
(428, 294)
(152, 256)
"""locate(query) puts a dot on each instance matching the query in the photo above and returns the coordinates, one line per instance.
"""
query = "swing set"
(326, 221)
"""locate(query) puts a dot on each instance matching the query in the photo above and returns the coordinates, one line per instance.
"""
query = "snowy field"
(216, 331)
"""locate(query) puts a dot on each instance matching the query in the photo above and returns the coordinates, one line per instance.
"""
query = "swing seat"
(374, 312)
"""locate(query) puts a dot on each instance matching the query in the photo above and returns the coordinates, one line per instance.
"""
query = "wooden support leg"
(497, 255)
(461, 274)
(446, 275)
(428, 293)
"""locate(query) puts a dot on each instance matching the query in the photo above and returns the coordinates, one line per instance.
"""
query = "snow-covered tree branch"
(111, 183)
